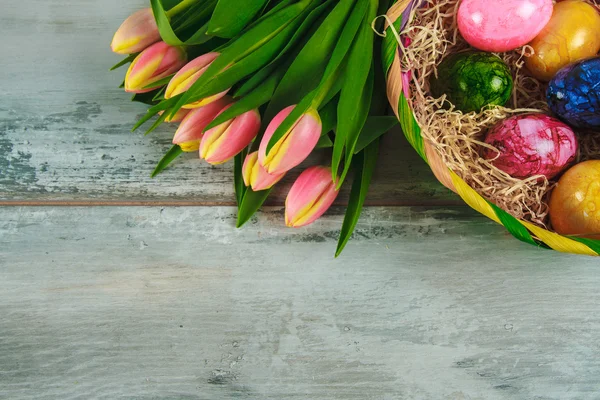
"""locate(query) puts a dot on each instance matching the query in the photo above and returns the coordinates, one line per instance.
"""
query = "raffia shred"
(459, 137)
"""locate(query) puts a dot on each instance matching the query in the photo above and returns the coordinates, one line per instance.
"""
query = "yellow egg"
(572, 34)
(575, 202)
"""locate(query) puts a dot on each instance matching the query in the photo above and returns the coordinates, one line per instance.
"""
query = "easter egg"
(530, 145)
(502, 25)
(574, 94)
(473, 80)
(575, 202)
(572, 34)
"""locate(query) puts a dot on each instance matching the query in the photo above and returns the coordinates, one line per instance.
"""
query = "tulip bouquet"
(265, 83)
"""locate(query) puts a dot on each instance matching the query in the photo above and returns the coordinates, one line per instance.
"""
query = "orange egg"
(575, 202)
(572, 34)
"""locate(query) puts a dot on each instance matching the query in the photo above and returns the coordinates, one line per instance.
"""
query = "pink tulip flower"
(152, 65)
(189, 134)
(255, 175)
(137, 33)
(178, 117)
(221, 143)
(188, 75)
(310, 197)
(295, 146)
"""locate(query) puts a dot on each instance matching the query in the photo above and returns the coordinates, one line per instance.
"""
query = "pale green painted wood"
(174, 303)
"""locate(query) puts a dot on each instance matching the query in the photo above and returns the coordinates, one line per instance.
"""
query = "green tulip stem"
(184, 5)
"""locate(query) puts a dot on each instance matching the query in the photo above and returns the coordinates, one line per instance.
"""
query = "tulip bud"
(255, 175)
(152, 65)
(223, 142)
(190, 131)
(311, 195)
(178, 117)
(188, 75)
(295, 146)
(137, 33)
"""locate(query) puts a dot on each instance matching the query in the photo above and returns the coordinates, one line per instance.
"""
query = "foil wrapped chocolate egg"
(502, 25)
(572, 34)
(530, 145)
(574, 94)
(473, 80)
(575, 202)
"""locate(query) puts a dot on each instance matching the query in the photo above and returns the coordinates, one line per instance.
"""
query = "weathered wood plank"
(64, 125)
(174, 303)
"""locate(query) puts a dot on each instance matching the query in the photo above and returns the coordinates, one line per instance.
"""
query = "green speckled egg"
(473, 80)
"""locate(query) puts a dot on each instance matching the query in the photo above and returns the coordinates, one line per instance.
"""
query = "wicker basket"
(398, 17)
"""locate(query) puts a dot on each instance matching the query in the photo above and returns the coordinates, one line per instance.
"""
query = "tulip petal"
(223, 142)
(208, 100)
(212, 137)
(140, 73)
(311, 196)
(136, 33)
(178, 117)
(192, 127)
(189, 74)
(270, 131)
(152, 65)
(255, 176)
(248, 167)
(262, 180)
(295, 146)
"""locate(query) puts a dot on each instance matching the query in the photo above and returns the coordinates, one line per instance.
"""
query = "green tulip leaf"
(356, 94)
(238, 179)
(162, 106)
(306, 72)
(374, 128)
(364, 166)
(186, 23)
(160, 95)
(285, 58)
(146, 98)
(328, 115)
(169, 4)
(250, 204)
(247, 54)
(157, 123)
(332, 72)
(324, 142)
(231, 16)
(168, 158)
(162, 82)
(254, 99)
(167, 32)
(347, 137)
(218, 78)
(125, 61)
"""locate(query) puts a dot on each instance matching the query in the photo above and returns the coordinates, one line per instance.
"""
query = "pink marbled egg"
(532, 144)
(502, 25)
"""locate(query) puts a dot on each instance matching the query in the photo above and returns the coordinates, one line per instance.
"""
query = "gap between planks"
(191, 203)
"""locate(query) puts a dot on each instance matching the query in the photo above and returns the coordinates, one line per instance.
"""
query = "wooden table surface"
(117, 286)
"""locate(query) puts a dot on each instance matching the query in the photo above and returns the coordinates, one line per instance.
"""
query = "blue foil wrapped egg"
(574, 94)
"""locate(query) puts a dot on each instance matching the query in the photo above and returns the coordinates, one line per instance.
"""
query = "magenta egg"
(532, 144)
(502, 25)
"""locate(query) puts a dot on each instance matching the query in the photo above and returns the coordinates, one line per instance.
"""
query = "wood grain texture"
(65, 126)
(174, 303)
